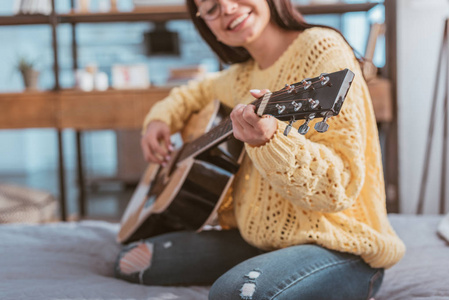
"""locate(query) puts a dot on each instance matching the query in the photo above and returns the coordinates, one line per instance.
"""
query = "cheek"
(214, 28)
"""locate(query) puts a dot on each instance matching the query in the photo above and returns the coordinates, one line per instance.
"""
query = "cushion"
(25, 205)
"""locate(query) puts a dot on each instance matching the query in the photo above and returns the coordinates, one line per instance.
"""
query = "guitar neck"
(208, 140)
(319, 97)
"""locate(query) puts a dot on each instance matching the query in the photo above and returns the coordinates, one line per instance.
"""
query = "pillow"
(25, 205)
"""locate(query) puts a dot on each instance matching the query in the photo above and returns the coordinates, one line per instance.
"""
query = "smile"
(238, 21)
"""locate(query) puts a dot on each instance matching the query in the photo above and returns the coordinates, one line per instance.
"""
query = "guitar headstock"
(319, 97)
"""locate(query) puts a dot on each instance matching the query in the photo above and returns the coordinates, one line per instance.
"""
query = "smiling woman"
(243, 24)
(305, 216)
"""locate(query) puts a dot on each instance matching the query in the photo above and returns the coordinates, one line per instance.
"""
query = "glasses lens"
(209, 9)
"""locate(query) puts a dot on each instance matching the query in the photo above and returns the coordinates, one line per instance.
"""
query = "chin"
(244, 40)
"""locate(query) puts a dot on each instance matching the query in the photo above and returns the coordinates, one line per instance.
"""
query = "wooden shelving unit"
(99, 110)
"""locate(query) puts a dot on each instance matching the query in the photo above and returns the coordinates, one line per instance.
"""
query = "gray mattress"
(75, 261)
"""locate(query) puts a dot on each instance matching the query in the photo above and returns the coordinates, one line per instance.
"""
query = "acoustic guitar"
(186, 193)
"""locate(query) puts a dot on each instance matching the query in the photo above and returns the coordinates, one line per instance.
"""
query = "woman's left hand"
(248, 127)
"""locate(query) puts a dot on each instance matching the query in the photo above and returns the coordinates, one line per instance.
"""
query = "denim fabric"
(240, 271)
(300, 272)
(190, 258)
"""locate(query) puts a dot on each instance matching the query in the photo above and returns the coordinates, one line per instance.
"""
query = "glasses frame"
(198, 14)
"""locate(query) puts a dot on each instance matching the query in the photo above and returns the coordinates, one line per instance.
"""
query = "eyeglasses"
(209, 9)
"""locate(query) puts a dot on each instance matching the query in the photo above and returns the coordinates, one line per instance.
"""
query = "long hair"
(282, 13)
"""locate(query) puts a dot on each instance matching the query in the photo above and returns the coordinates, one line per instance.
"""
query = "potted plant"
(29, 73)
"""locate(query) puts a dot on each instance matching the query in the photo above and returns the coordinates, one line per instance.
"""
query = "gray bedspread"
(423, 273)
(75, 261)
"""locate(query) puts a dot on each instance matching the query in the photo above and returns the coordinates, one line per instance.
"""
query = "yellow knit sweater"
(322, 188)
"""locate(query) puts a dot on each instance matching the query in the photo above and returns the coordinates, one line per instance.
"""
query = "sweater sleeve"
(321, 171)
(182, 101)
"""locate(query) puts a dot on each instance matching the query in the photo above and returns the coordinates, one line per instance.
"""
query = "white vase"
(30, 79)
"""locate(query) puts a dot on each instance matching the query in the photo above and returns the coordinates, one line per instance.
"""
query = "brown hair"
(282, 13)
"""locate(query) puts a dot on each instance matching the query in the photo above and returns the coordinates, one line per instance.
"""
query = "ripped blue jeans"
(239, 271)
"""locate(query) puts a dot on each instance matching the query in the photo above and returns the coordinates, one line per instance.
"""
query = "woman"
(306, 215)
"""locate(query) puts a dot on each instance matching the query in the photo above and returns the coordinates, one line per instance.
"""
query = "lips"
(237, 21)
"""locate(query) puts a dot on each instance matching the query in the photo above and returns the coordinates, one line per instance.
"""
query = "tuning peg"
(304, 128)
(325, 79)
(289, 126)
(290, 88)
(280, 108)
(307, 83)
(313, 103)
(322, 126)
(296, 105)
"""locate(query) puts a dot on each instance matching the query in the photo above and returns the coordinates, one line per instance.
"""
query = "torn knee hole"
(253, 274)
(137, 259)
(249, 288)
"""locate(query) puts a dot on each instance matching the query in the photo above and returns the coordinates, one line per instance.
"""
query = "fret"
(264, 103)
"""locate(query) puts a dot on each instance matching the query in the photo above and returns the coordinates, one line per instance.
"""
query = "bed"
(74, 260)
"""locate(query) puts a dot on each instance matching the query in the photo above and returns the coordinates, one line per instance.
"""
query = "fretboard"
(213, 137)
(219, 133)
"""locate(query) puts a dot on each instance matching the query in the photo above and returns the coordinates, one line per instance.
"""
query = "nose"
(228, 6)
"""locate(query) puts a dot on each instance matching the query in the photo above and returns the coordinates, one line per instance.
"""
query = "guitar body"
(183, 196)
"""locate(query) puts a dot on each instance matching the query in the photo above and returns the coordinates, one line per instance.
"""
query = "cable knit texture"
(322, 188)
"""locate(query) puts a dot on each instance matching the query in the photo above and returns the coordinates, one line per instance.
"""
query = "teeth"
(237, 21)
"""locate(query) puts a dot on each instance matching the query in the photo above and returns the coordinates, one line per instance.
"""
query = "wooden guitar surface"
(177, 189)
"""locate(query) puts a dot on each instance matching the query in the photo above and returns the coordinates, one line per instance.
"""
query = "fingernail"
(255, 91)
(164, 164)
(170, 148)
(167, 158)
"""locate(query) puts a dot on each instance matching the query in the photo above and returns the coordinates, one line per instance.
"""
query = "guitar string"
(225, 126)
(280, 94)
(284, 92)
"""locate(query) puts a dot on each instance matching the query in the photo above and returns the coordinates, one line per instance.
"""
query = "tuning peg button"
(304, 128)
(322, 126)
(287, 129)
(289, 126)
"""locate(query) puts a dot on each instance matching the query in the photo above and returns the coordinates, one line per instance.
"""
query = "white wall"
(420, 25)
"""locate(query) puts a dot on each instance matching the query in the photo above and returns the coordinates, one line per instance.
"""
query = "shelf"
(166, 13)
(338, 8)
(179, 12)
(24, 20)
(111, 109)
(28, 110)
(153, 14)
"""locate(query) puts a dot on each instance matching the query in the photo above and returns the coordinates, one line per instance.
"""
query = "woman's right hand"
(156, 144)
